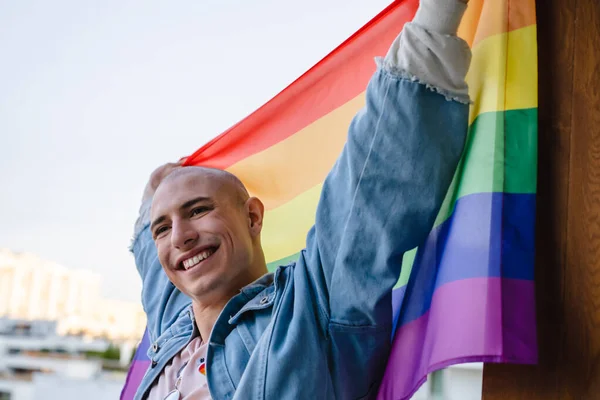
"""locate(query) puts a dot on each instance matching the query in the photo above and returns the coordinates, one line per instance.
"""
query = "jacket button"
(264, 300)
(155, 347)
(153, 364)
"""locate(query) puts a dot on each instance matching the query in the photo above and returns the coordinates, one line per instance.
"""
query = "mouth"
(197, 259)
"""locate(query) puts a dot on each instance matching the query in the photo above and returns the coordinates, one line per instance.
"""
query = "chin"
(203, 287)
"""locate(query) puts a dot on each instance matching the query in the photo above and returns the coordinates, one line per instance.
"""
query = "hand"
(157, 177)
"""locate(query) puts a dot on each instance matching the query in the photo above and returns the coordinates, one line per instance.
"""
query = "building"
(113, 319)
(36, 363)
(35, 289)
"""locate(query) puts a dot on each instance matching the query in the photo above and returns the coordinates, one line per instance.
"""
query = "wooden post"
(568, 213)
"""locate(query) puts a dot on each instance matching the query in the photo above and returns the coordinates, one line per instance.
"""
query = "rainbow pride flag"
(467, 293)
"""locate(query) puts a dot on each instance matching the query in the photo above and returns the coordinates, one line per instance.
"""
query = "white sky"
(94, 95)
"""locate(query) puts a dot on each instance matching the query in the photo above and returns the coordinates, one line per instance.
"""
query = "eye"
(160, 230)
(199, 211)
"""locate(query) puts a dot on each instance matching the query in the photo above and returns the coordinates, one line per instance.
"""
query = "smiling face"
(207, 232)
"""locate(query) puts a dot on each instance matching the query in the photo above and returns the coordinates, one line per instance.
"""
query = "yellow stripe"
(285, 228)
(289, 168)
(493, 65)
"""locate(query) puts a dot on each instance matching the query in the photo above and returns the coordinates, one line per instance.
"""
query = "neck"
(206, 313)
(206, 316)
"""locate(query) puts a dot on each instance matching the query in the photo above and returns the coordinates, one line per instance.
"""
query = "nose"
(183, 236)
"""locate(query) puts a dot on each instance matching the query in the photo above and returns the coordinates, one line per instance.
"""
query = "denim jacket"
(320, 327)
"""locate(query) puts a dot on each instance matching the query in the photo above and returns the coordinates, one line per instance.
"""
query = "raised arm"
(162, 301)
(383, 194)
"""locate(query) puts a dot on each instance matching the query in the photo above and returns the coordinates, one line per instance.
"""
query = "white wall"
(49, 387)
(458, 382)
(463, 382)
(52, 387)
(19, 390)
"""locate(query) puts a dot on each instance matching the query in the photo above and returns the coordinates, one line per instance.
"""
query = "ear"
(255, 210)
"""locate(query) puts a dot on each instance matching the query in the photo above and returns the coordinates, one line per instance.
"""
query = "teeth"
(190, 262)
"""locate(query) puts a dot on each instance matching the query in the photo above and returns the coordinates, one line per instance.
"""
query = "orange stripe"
(497, 16)
(299, 162)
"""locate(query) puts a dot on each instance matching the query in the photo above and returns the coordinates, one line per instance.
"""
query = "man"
(320, 328)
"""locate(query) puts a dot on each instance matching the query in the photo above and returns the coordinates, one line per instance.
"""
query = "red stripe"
(336, 79)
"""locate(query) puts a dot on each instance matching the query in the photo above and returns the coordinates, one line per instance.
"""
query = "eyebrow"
(157, 221)
(184, 206)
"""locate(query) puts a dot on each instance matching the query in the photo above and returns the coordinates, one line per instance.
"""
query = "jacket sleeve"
(161, 300)
(383, 194)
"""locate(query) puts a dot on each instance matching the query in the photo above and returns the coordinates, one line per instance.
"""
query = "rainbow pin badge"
(202, 366)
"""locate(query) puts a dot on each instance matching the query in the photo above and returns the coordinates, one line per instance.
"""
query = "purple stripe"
(471, 320)
(142, 350)
(137, 369)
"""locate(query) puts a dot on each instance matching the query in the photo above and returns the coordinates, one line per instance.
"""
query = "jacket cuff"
(441, 16)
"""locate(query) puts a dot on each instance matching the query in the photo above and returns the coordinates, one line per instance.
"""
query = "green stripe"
(272, 266)
(521, 151)
(500, 156)
(407, 262)
(502, 153)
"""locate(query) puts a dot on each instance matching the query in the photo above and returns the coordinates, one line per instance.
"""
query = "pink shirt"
(189, 365)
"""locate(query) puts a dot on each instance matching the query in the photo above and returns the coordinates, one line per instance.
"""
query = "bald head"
(224, 180)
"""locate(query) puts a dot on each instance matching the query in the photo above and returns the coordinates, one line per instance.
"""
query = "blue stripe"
(141, 353)
(488, 235)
